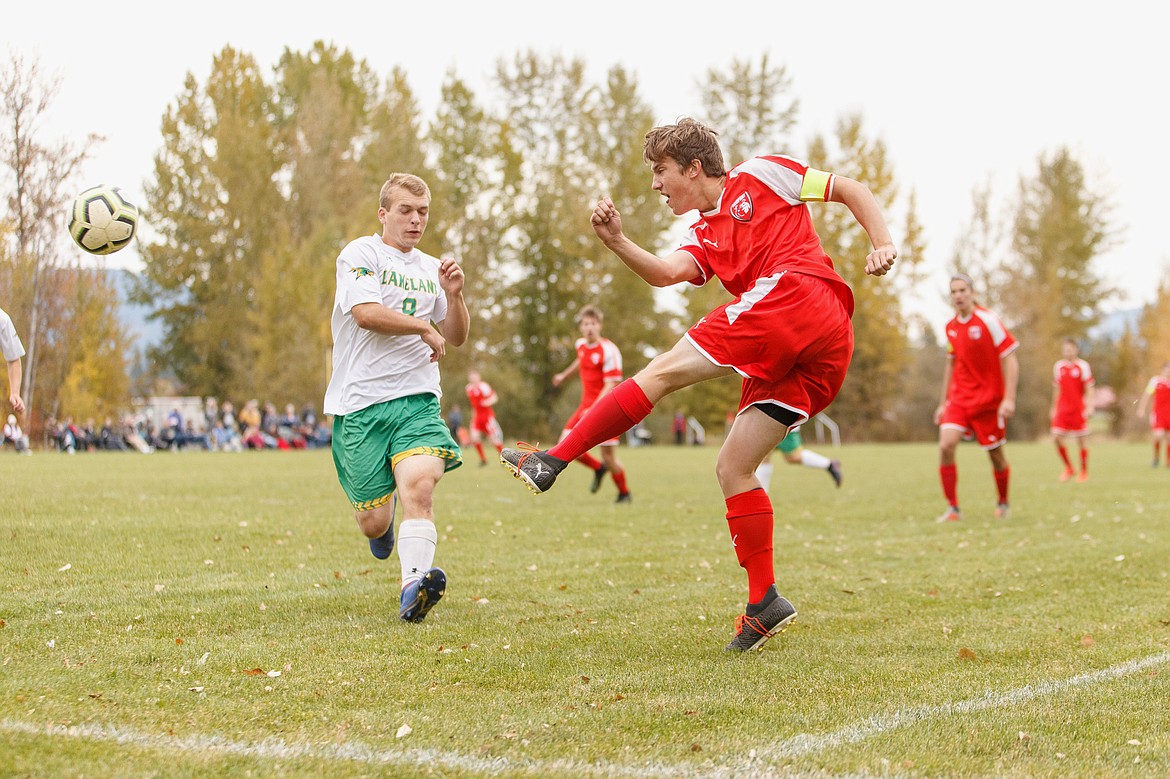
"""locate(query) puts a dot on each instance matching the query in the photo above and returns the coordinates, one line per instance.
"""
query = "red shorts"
(789, 336)
(1071, 423)
(581, 411)
(486, 424)
(1160, 423)
(988, 427)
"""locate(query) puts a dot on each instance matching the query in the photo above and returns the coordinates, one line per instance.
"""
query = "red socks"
(1001, 484)
(589, 461)
(949, 474)
(750, 521)
(617, 411)
(1064, 456)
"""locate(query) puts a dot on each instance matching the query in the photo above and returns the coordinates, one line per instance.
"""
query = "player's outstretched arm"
(861, 203)
(559, 378)
(946, 389)
(654, 270)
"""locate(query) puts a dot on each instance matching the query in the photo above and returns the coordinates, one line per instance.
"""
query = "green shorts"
(791, 442)
(367, 444)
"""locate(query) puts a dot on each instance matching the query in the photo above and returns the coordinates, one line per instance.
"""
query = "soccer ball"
(102, 221)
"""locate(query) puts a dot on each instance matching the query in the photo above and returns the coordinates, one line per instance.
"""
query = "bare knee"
(375, 522)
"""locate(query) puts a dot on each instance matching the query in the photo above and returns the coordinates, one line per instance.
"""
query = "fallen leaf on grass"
(64, 567)
(967, 654)
(254, 672)
(1133, 742)
(1087, 640)
(404, 731)
(696, 748)
(197, 688)
(203, 659)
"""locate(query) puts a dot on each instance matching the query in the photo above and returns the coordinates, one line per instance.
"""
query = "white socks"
(814, 460)
(764, 474)
(416, 548)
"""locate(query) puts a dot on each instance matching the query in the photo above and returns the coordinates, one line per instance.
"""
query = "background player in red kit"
(978, 393)
(1158, 389)
(599, 363)
(483, 398)
(1072, 404)
(787, 332)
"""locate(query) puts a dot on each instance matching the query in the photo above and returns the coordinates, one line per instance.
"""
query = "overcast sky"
(961, 94)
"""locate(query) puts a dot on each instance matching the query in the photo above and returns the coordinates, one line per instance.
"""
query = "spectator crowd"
(218, 428)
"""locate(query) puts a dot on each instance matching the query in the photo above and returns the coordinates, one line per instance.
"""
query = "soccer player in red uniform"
(1072, 404)
(978, 393)
(599, 363)
(1158, 389)
(787, 332)
(484, 424)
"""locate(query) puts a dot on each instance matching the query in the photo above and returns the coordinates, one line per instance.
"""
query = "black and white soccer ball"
(102, 221)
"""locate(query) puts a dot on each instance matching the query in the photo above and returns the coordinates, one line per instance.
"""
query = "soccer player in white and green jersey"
(395, 311)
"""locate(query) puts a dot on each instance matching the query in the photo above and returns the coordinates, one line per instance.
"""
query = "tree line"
(260, 178)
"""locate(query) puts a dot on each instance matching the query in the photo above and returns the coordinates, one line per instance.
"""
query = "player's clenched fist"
(606, 220)
(880, 260)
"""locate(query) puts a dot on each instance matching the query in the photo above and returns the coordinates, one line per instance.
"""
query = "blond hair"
(405, 181)
(589, 311)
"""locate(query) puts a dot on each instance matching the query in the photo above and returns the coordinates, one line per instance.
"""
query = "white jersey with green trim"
(369, 367)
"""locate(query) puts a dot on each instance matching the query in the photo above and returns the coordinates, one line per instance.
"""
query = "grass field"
(202, 614)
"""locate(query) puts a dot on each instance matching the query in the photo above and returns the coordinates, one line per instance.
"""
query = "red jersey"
(481, 395)
(1072, 378)
(975, 347)
(1159, 387)
(762, 227)
(597, 364)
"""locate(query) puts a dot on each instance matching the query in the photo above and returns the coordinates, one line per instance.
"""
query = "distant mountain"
(134, 317)
(1113, 325)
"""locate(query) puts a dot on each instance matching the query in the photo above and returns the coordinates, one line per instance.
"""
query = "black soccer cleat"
(598, 475)
(537, 469)
(751, 631)
(835, 471)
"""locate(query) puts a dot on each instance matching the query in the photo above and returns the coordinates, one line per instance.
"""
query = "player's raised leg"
(614, 413)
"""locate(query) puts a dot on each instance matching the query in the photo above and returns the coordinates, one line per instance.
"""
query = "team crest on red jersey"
(974, 332)
(741, 209)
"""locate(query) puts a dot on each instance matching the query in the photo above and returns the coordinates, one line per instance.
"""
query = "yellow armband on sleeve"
(815, 186)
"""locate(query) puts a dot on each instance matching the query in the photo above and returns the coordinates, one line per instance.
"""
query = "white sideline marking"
(759, 764)
(873, 726)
